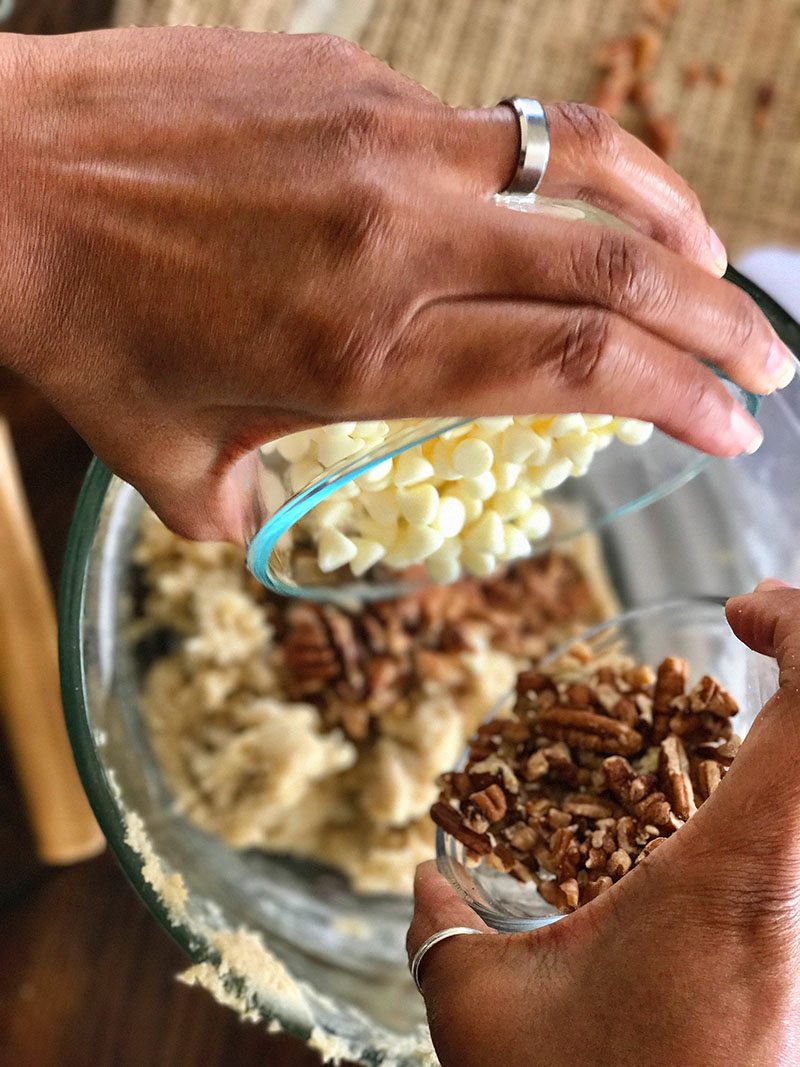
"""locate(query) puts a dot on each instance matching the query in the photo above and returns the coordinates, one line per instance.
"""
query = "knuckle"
(587, 342)
(743, 322)
(596, 131)
(695, 403)
(360, 221)
(332, 50)
(619, 270)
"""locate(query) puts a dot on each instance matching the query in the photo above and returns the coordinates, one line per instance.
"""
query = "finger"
(556, 358)
(510, 253)
(436, 907)
(768, 621)
(754, 814)
(593, 159)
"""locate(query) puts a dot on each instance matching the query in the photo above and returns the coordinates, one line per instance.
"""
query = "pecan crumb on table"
(601, 761)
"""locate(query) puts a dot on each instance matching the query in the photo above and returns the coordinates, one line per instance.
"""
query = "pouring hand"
(690, 959)
(212, 237)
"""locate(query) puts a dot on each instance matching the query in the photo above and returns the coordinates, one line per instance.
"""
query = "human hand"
(690, 959)
(213, 237)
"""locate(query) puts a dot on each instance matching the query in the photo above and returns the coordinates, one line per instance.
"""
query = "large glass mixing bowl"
(733, 524)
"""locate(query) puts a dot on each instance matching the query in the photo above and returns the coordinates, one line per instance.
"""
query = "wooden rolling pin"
(30, 699)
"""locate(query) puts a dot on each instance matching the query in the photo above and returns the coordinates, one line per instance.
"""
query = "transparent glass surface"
(733, 524)
(694, 629)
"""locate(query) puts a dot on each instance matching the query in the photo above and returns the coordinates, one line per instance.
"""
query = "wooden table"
(86, 975)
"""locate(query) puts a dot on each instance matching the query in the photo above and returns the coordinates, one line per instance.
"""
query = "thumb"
(437, 907)
(755, 812)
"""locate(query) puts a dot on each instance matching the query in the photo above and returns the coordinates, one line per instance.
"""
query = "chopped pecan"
(584, 806)
(450, 821)
(675, 778)
(671, 679)
(587, 729)
(619, 863)
(571, 893)
(650, 847)
(708, 695)
(491, 801)
(709, 775)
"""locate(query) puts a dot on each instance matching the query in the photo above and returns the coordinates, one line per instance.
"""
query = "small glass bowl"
(621, 479)
(694, 629)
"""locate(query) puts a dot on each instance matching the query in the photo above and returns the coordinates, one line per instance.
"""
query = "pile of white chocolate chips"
(464, 501)
(294, 727)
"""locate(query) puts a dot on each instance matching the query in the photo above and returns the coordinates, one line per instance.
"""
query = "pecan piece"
(491, 801)
(674, 770)
(708, 695)
(450, 821)
(619, 863)
(709, 775)
(671, 679)
(589, 730)
(585, 806)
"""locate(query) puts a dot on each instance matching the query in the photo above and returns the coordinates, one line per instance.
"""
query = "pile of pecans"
(357, 668)
(601, 761)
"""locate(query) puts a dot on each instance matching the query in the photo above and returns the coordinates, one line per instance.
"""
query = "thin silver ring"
(427, 945)
(534, 144)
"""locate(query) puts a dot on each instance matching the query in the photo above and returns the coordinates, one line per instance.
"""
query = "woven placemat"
(476, 51)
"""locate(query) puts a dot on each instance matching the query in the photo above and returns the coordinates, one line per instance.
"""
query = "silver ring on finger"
(534, 144)
(427, 945)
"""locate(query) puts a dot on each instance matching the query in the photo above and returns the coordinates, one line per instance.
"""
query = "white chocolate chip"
(596, 422)
(516, 545)
(494, 425)
(451, 516)
(419, 505)
(506, 475)
(332, 512)
(536, 523)
(334, 550)
(554, 473)
(486, 535)
(511, 503)
(577, 447)
(383, 507)
(411, 468)
(562, 425)
(443, 570)
(377, 475)
(293, 447)
(521, 444)
(334, 447)
(633, 431)
(472, 458)
(367, 554)
(482, 487)
(304, 473)
(479, 564)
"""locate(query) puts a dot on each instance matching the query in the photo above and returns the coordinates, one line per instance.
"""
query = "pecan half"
(589, 730)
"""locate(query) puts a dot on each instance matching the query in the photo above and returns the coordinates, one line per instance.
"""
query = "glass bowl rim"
(99, 792)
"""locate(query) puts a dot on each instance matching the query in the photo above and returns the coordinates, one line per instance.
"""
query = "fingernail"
(718, 253)
(746, 431)
(781, 364)
(768, 584)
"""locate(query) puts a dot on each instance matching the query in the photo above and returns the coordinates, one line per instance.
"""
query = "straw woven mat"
(476, 51)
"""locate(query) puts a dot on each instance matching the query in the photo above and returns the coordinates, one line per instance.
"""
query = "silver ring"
(428, 944)
(534, 144)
